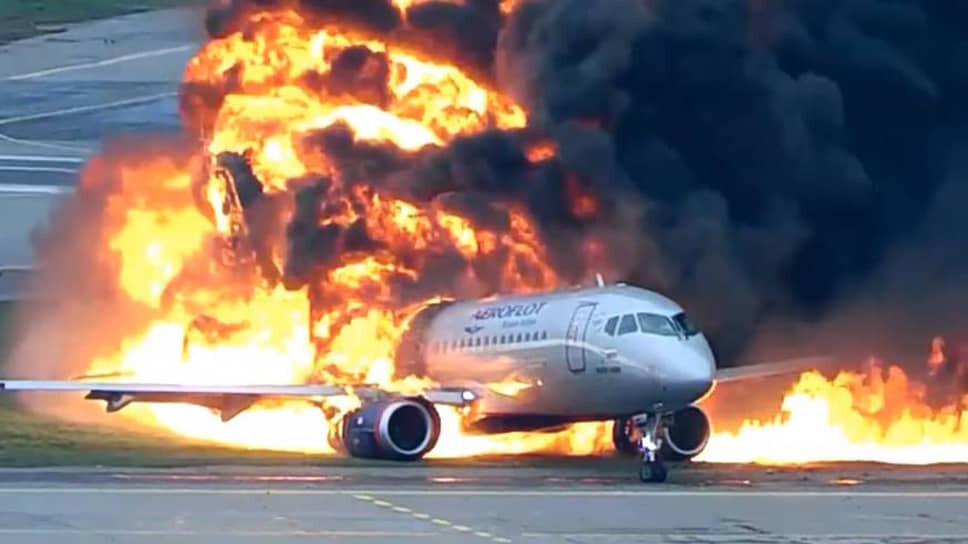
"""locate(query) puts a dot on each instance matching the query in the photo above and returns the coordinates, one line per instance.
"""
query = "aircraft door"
(575, 351)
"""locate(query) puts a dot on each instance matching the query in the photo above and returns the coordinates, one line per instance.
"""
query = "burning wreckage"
(358, 164)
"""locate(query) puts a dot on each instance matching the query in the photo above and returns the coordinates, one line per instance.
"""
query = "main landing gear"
(649, 443)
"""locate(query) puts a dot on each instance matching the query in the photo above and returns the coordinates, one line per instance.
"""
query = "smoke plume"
(769, 164)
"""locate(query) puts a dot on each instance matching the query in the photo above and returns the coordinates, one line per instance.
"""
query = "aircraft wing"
(765, 370)
(230, 400)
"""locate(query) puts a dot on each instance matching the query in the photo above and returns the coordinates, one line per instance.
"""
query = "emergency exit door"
(575, 352)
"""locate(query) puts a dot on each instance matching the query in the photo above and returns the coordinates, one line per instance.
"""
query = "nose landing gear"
(652, 468)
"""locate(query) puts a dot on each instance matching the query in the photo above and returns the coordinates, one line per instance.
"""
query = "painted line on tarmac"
(41, 158)
(6, 189)
(44, 145)
(104, 62)
(85, 109)
(440, 522)
(757, 493)
(228, 532)
(53, 169)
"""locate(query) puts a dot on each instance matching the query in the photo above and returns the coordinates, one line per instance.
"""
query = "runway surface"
(64, 95)
(532, 502)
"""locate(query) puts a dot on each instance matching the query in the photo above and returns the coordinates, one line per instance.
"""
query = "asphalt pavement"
(63, 95)
(468, 503)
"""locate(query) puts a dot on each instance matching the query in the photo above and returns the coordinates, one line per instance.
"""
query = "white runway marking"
(83, 109)
(41, 158)
(358, 493)
(228, 532)
(44, 145)
(17, 188)
(38, 169)
(104, 62)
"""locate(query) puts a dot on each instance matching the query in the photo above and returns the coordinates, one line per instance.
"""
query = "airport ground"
(61, 95)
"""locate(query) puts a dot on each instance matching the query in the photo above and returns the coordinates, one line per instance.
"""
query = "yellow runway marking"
(443, 523)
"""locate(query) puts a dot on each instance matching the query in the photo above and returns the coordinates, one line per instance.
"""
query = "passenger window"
(627, 325)
(527, 337)
(519, 337)
(656, 324)
(610, 326)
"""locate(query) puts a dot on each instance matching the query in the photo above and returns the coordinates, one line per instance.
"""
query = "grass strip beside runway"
(31, 440)
(26, 18)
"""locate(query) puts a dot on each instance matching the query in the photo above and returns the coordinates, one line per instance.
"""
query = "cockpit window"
(685, 325)
(656, 324)
(627, 325)
(610, 326)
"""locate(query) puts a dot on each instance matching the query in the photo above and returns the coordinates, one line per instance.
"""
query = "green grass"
(25, 18)
(30, 440)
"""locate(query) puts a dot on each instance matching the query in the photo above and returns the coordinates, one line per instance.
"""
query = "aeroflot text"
(511, 310)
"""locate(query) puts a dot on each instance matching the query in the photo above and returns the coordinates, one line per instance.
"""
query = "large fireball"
(332, 180)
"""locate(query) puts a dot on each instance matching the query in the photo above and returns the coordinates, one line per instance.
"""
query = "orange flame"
(184, 249)
(878, 415)
(180, 242)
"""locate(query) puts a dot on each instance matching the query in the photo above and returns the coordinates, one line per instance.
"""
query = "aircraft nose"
(692, 378)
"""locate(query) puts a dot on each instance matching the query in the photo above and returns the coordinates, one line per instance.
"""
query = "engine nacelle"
(687, 435)
(402, 429)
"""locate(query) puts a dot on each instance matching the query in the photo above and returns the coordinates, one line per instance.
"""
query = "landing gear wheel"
(653, 471)
(652, 468)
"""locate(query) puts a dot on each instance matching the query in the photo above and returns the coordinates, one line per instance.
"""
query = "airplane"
(607, 352)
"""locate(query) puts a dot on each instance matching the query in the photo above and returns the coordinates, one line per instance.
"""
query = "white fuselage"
(576, 354)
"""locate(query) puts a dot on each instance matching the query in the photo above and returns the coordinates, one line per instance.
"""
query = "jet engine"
(686, 435)
(402, 429)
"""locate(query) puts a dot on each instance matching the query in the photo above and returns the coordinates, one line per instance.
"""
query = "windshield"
(656, 324)
(685, 325)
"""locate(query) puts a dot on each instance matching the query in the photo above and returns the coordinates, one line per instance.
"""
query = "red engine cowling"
(403, 429)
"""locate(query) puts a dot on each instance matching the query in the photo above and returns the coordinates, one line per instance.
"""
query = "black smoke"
(792, 171)
(794, 157)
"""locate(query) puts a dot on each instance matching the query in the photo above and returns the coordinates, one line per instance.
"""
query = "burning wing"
(765, 370)
(229, 400)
